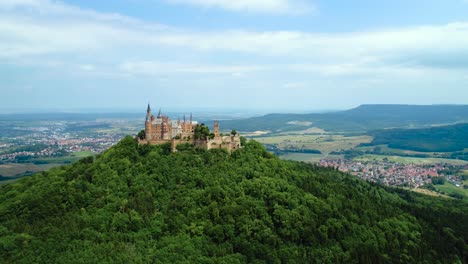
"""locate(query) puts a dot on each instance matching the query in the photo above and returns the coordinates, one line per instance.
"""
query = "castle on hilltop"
(162, 130)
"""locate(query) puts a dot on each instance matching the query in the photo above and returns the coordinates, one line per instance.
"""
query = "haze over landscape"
(277, 55)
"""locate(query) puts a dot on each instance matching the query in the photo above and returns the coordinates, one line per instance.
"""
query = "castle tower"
(216, 129)
(148, 123)
(191, 123)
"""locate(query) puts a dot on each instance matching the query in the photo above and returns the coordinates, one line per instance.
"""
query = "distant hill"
(434, 139)
(143, 204)
(360, 119)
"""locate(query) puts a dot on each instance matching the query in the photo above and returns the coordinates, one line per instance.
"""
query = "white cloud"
(87, 67)
(42, 27)
(294, 7)
(156, 68)
(55, 36)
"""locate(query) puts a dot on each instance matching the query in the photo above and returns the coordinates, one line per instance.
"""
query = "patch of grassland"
(394, 151)
(15, 169)
(311, 130)
(324, 143)
(410, 160)
(7, 181)
(307, 157)
(428, 192)
(449, 188)
(82, 154)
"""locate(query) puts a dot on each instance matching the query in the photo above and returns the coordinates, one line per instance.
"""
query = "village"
(396, 174)
(43, 140)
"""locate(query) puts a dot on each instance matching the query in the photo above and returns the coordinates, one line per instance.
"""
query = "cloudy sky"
(271, 55)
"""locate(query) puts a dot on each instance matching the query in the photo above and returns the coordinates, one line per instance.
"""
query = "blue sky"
(268, 55)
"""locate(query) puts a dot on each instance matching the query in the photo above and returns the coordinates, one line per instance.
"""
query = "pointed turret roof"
(149, 108)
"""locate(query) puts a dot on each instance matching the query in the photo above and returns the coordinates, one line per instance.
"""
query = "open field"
(82, 154)
(307, 157)
(410, 160)
(428, 192)
(63, 159)
(394, 151)
(16, 169)
(312, 130)
(324, 143)
(449, 188)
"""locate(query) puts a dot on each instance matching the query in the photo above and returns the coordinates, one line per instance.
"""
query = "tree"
(243, 141)
(141, 134)
(201, 132)
(438, 180)
(233, 132)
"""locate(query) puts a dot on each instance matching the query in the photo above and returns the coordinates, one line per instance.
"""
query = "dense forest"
(143, 204)
(434, 139)
(359, 119)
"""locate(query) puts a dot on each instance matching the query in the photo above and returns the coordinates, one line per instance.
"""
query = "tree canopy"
(143, 204)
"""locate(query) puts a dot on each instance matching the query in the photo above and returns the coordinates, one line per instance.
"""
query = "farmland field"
(14, 169)
(324, 143)
(306, 157)
(82, 154)
(410, 160)
(449, 188)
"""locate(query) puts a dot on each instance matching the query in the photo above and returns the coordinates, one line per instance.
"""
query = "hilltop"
(141, 203)
(360, 119)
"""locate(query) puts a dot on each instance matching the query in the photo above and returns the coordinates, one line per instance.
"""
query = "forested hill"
(434, 139)
(362, 118)
(143, 204)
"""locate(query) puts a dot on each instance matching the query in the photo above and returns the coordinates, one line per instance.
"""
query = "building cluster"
(161, 130)
(53, 141)
(388, 173)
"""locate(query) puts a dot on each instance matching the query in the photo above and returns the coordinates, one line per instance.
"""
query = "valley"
(373, 154)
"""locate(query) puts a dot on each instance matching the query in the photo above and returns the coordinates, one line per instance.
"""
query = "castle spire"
(159, 113)
(190, 118)
(148, 113)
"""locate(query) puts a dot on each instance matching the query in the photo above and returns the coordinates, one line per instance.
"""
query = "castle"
(162, 130)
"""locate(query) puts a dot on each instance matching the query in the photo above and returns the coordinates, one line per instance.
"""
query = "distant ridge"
(360, 119)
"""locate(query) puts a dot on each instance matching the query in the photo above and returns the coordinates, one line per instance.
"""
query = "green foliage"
(435, 139)
(141, 135)
(438, 180)
(243, 141)
(144, 204)
(201, 132)
(185, 147)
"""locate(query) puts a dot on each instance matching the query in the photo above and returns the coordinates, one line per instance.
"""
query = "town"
(397, 174)
(39, 142)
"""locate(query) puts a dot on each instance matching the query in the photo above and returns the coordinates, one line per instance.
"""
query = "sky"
(249, 55)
